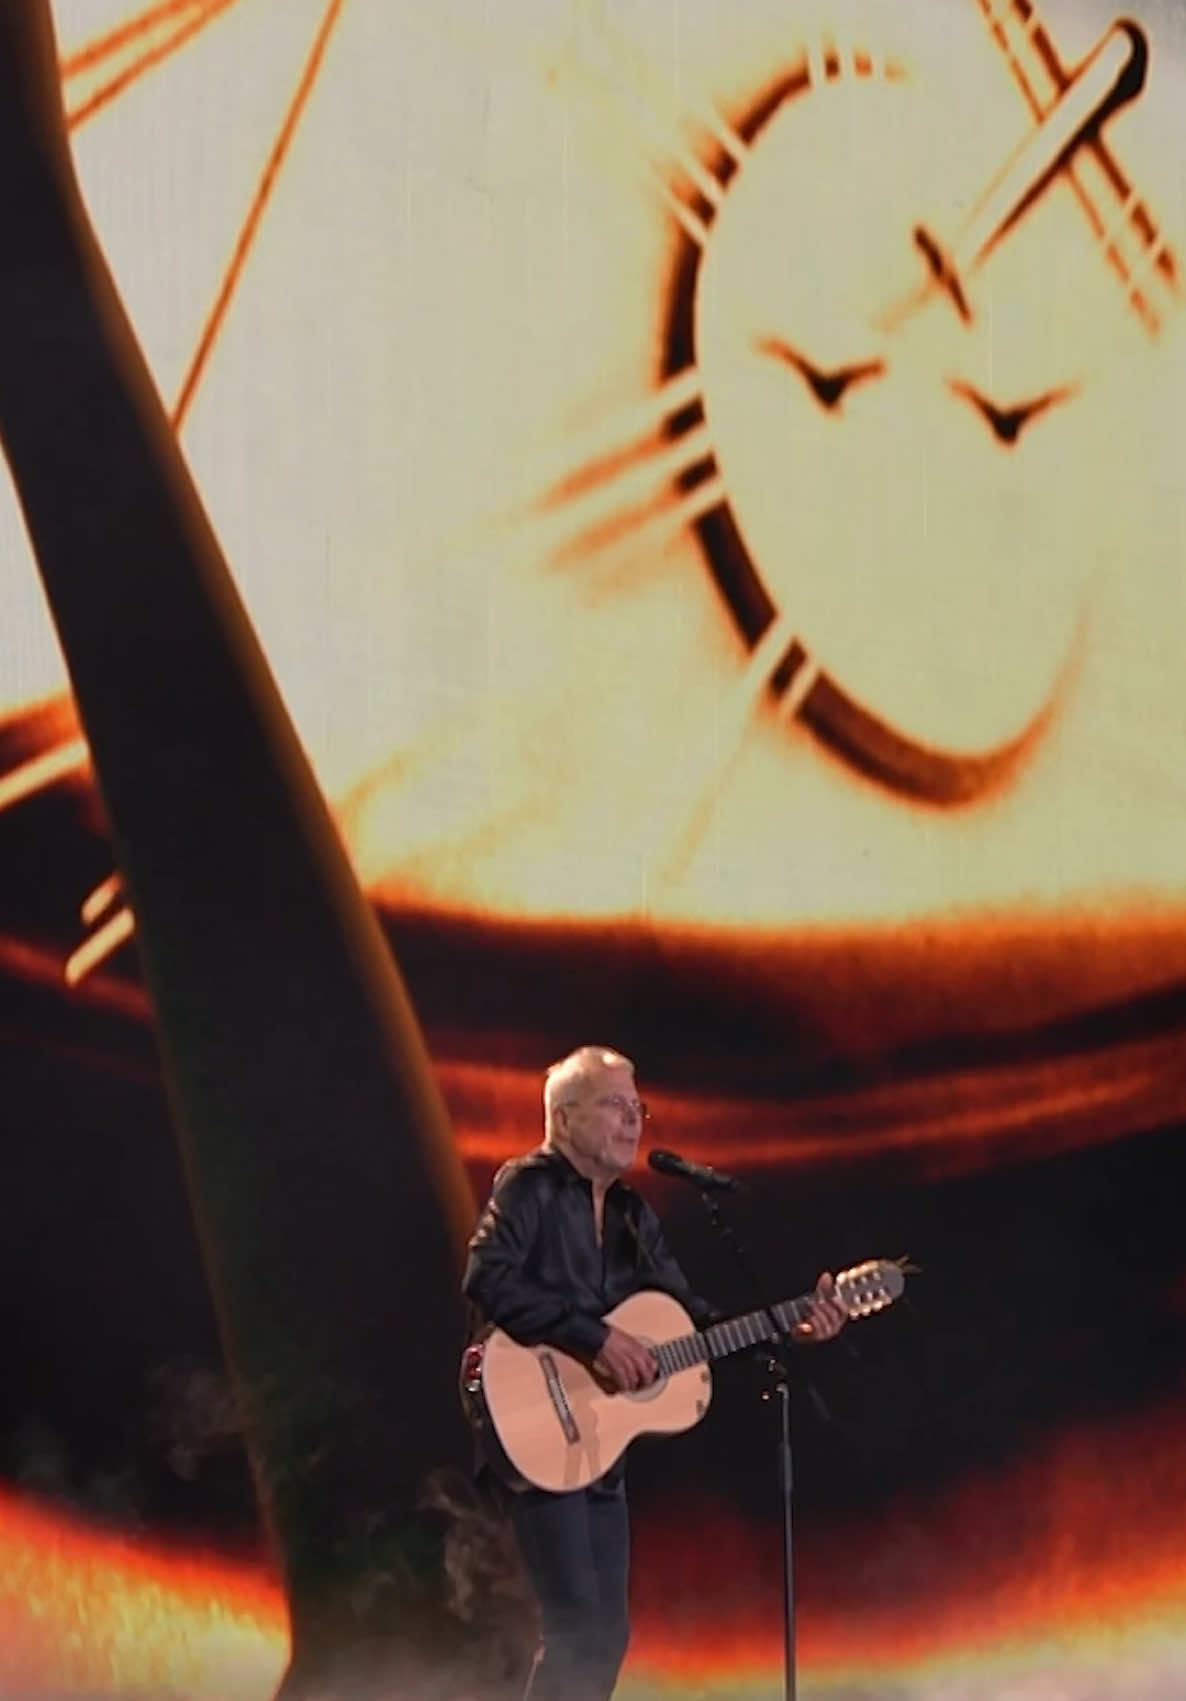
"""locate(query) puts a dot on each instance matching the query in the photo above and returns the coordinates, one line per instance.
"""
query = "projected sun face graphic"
(636, 323)
(907, 518)
(648, 566)
(873, 490)
(906, 482)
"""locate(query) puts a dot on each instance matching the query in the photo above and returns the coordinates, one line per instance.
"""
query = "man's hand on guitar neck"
(827, 1316)
(624, 1363)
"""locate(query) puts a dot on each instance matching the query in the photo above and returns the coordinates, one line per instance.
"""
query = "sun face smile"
(869, 512)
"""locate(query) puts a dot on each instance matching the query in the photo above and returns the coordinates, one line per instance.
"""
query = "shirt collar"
(571, 1173)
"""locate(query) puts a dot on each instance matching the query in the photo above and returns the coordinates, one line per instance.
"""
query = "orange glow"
(964, 1119)
(98, 947)
(82, 1612)
(924, 1123)
(1083, 1538)
(1077, 1547)
(41, 967)
(42, 771)
(96, 904)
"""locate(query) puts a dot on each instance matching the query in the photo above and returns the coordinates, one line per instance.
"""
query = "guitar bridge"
(559, 1399)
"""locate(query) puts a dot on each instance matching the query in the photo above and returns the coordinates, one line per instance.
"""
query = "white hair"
(567, 1080)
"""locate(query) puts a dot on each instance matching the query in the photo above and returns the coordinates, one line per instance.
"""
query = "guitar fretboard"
(1136, 247)
(704, 1345)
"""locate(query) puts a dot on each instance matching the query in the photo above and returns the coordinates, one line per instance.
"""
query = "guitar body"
(549, 1423)
(558, 1428)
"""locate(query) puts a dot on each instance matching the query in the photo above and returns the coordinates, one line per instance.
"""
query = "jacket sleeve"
(659, 1268)
(496, 1276)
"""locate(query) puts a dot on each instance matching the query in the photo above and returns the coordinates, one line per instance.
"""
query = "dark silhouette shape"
(331, 1206)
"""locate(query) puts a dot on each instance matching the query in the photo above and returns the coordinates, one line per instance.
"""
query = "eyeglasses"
(631, 1110)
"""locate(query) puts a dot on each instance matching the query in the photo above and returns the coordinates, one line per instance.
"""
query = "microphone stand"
(779, 1367)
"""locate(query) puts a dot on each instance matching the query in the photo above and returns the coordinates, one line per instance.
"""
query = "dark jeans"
(576, 1548)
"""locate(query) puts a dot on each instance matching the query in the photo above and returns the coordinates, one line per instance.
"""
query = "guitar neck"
(1133, 242)
(703, 1346)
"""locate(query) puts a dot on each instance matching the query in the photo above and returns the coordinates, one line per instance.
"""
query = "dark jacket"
(535, 1268)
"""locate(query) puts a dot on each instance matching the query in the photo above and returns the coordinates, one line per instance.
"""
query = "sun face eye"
(828, 387)
(1008, 423)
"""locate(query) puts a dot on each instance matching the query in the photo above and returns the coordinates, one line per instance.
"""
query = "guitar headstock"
(870, 1287)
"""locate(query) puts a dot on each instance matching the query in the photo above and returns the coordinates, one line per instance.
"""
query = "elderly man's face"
(603, 1123)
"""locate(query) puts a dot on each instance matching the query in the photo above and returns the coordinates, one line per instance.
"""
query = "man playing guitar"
(563, 1240)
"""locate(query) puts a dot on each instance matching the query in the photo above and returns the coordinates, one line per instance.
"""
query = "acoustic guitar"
(552, 1424)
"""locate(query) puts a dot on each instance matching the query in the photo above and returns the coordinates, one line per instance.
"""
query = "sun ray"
(799, 689)
(46, 770)
(672, 396)
(192, 25)
(613, 476)
(1155, 262)
(98, 902)
(1141, 273)
(701, 782)
(710, 119)
(621, 556)
(682, 159)
(611, 506)
(101, 945)
(1112, 228)
(623, 430)
(43, 771)
(103, 46)
(259, 202)
(815, 52)
(701, 500)
(1095, 174)
(612, 70)
(690, 223)
(607, 51)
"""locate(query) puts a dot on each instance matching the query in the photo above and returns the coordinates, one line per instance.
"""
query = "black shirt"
(535, 1268)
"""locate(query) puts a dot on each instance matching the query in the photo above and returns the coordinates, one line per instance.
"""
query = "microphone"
(711, 1180)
